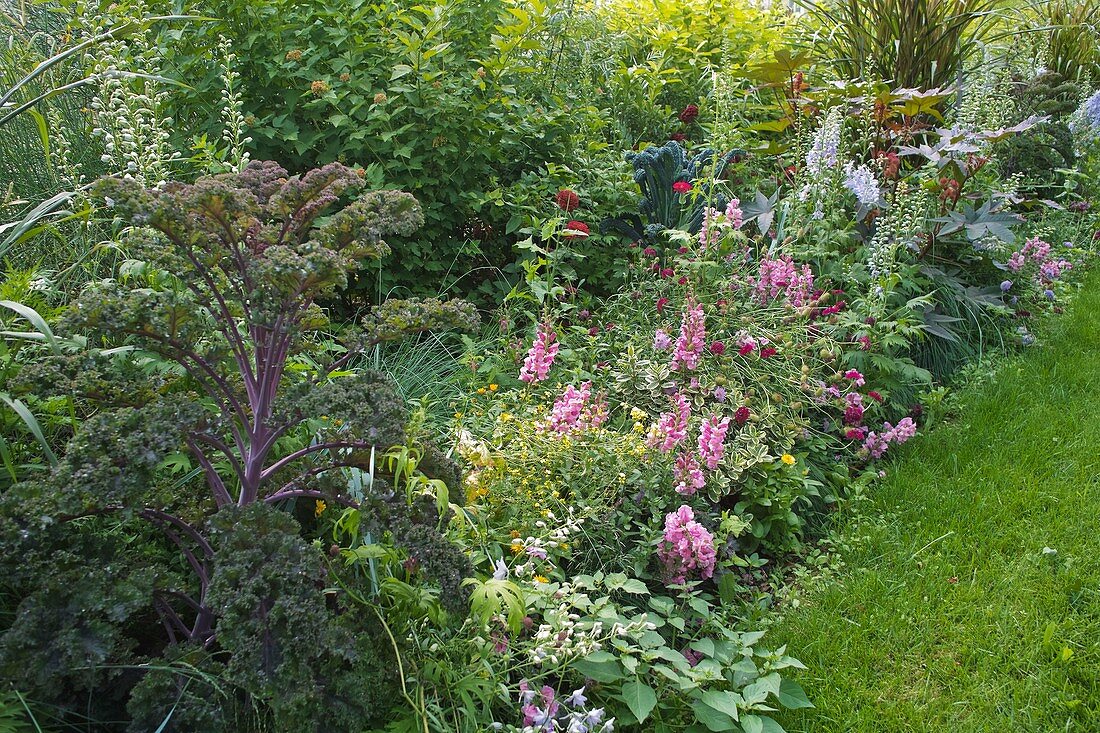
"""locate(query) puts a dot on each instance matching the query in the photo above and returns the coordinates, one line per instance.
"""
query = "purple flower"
(577, 699)
(1006, 285)
(720, 394)
(1049, 293)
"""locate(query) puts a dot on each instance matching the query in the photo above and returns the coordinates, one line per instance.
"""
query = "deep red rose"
(689, 113)
(681, 187)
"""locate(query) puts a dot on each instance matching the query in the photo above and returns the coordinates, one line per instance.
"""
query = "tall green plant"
(914, 43)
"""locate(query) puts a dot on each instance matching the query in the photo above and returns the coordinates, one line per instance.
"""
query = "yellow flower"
(787, 458)
(517, 548)
(319, 509)
(541, 579)
(494, 387)
(481, 390)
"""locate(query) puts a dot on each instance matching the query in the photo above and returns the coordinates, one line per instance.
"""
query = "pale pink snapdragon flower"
(540, 357)
(671, 427)
(687, 547)
(692, 339)
(687, 474)
(712, 437)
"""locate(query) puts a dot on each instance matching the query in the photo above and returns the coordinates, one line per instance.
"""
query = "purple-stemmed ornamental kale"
(234, 267)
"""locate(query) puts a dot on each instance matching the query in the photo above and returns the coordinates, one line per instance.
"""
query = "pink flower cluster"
(692, 340)
(540, 357)
(877, 443)
(712, 437)
(687, 546)
(672, 426)
(780, 277)
(1038, 251)
(573, 410)
(734, 215)
(687, 474)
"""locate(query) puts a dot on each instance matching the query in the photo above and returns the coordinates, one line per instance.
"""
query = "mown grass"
(949, 614)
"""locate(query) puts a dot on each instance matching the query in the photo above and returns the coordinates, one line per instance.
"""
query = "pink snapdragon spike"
(687, 474)
(568, 408)
(540, 357)
(671, 427)
(781, 278)
(575, 410)
(712, 439)
(687, 547)
(734, 214)
(692, 339)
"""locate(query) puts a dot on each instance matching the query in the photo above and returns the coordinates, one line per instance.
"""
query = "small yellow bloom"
(319, 508)
(481, 390)
(494, 387)
(517, 548)
(788, 459)
(541, 579)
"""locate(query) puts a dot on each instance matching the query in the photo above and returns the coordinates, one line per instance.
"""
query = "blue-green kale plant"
(209, 352)
(676, 190)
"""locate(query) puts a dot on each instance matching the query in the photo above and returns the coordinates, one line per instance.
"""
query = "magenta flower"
(540, 357)
(661, 340)
(741, 416)
(855, 377)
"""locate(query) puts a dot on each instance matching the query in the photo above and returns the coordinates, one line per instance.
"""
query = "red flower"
(678, 137)
(683, 280)
(594, 331)
(649, 252)
(746, 349)
(742, 415)
(768, 351)
(856, 433)
(688, 115)
(567, 200)
(681, 187)
(577, 226)
(718, 348)
(875, 396)
(661, 303)
(667, 273)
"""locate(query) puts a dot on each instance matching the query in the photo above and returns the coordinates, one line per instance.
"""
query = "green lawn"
(949, 615)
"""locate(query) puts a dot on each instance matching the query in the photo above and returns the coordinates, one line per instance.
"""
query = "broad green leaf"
(723, 701)
(791, 695)
(639, 698)
(713, 719)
